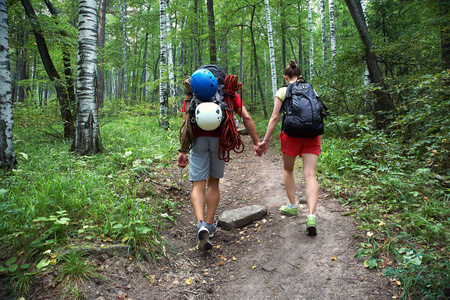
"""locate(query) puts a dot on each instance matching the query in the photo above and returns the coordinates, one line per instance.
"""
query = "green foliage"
(403, 208)
(54, 196)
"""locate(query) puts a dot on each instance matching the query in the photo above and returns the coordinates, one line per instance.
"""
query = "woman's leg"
(312, 186)
(288, 175)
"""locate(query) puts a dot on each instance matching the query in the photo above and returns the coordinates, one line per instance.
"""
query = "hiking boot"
(203, 237)
(286, 210)
(212, 229)
(311, 226)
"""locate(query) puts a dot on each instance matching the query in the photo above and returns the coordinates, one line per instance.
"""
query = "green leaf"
(10, 261)
(372, 263)
(2, 269)
(366, 263)
(24, 266)
(24, 155)
(43, 263)
(63, 221)
(12, 268)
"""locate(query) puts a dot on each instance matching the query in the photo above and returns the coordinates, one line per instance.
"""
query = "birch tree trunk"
(170, 64)
(87, 134)
(263, 101)
(273, 67)
(324, 30)
(7, 154)
(366, 70)
(383, 102)
(311, 42)
(124, 48)
(332, 29)
(163, 99)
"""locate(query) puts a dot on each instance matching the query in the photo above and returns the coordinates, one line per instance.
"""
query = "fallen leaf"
(218, 246)
(234, 258)
(369, 233)
(334, 258)
(189, 281)
(399, 283)
(253, 267)
(220, 263)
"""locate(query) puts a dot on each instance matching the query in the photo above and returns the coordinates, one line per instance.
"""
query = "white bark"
(87, 131)
(7, 154)
(273, 67)
(366, 70)
(324, 30)
(332, 29)
(124, 48)
(311, 42)
(170, 59)
(163, 100)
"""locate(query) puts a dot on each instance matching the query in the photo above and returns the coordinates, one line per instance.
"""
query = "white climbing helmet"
(208, 115)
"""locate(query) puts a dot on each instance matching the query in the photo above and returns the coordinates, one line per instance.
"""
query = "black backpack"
(303, 112)
(218, 98)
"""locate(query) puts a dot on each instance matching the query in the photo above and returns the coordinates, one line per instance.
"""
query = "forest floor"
(270, 259)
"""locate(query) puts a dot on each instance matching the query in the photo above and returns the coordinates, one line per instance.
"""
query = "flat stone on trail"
(239, 217)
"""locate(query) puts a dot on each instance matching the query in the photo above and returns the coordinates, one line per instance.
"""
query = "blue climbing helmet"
(203, 84)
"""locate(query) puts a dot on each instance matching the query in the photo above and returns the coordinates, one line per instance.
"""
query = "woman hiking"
(291, 147)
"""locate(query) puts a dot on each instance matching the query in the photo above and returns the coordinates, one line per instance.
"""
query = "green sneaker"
(311, 226)
(286, 210)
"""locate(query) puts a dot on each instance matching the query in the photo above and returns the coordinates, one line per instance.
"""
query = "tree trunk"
(144, 69)
(311, 43)
(300, 43)
(332, 30)
(101, 52)
(124, 48)
(63, 97)
(163, 97)
(383, 102)
(212, 32)
(273, 67)
(66, 51)
(263, 101)
(368, 102)
(324, 31)
(7, 154)
(196, 37)
(170, 64)
(87, 137)
(284, 29)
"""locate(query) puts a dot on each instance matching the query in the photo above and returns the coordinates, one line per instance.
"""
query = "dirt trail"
(269, 259)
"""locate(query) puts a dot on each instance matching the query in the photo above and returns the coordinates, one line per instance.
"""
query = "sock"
(314, 216)
(292, 205)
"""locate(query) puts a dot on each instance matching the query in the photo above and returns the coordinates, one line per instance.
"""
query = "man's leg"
(212, 199)
(198, 199)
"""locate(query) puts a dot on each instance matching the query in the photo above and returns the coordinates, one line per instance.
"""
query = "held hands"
(261, 148)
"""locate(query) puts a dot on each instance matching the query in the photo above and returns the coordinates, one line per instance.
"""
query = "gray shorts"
(204, 159)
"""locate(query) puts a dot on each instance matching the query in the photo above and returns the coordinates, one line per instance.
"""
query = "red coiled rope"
(230, 139)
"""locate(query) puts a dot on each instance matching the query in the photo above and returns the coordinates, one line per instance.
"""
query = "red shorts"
(293, 146)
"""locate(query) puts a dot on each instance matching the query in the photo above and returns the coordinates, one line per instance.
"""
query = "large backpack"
(302, 111)
(218, 98)
(229, 136)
